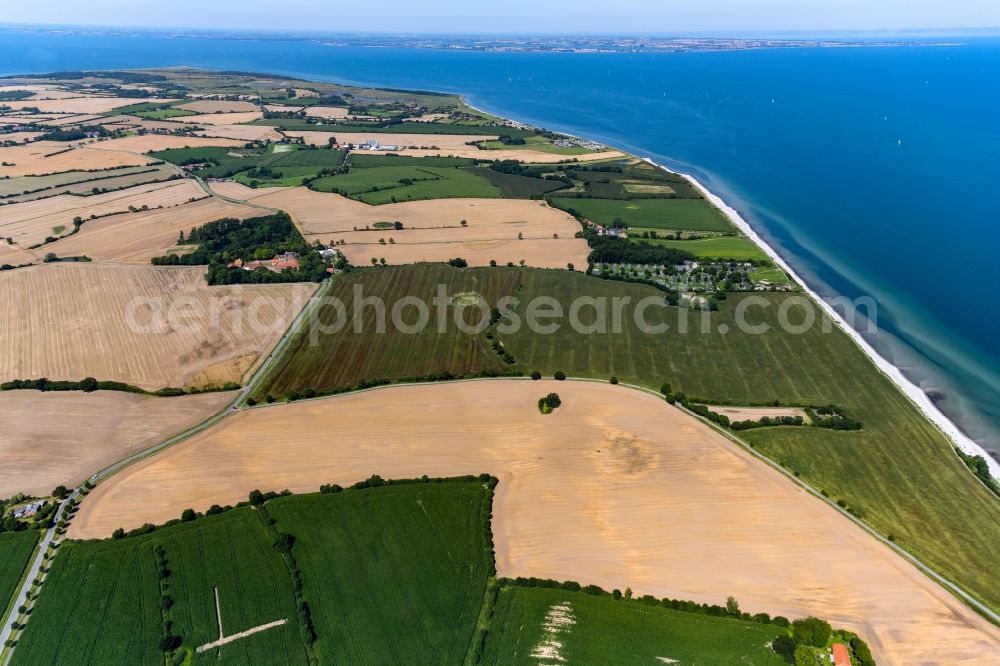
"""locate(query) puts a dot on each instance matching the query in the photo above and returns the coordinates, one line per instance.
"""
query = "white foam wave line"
(912, 391)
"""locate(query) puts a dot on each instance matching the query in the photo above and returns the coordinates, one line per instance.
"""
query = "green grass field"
(513, 186)
(898, 473)
(398, 576)
(15, 553)
(681, 214)
(362, 161)
(101, 602)
(163, 114)
(606, 631)
(391, 574)
(388, 184)
(232, 552)
(723, 247)
(292, 166)
(772, 275)
(99, 605)
(181, 155)
(536, 142)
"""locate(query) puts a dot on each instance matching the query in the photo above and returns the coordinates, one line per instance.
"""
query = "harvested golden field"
(526, 156)
(428, 118)
(84, 183)
(53, 94)
(83, 104)
(138, 237)
(219, 106)
(20, 137)
(13, 255)
(242, 133)
(615, 488)
(433, 230)
(73, 119)
(325, 214)
(53, 439)
(328, 112)
(144, 325)
(30, 222)
(220, 118)
(43, 157)
(148, 143)
(436, 141)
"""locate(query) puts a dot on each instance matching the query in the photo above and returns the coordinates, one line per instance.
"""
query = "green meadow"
(398, 574)
(601, 630)
(389, 184)
(289, 167)
(721, 247)
(388, 575)
(15, 555)
(678, 214)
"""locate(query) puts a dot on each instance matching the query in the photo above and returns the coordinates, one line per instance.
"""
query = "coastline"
(920, 399)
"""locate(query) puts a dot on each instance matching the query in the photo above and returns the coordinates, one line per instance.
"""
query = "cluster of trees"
(809, 638)
(169, 641)
(224, 241)
(89, 385)
(515, 168)
(284, 543)
(979, 467)
(615, 250)
(376, 481)
(833, 418)
(263, 173)
(75, 134)
(508, 140)
(15, 95)
(549, 403)
(766, 421)
(731, 609)
(52, 257)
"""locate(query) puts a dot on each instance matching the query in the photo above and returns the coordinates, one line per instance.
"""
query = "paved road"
(36, 567)
(311, 306)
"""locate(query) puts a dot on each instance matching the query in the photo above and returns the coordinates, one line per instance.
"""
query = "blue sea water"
(874, 171)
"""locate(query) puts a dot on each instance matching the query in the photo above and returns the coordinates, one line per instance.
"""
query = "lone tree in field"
(549, 403)
(256, 498)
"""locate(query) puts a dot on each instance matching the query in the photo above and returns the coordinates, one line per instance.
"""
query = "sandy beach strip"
(912, 391)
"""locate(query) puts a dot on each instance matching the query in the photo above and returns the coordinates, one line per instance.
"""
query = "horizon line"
(805, 34)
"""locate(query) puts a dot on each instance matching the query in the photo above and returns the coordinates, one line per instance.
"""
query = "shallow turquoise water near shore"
(873, 170)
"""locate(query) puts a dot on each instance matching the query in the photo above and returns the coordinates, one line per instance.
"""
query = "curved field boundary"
(614, 488)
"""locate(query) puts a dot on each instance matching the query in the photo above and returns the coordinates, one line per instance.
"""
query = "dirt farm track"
(615, 488)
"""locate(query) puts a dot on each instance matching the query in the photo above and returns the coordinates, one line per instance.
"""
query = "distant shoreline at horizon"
(939, 377)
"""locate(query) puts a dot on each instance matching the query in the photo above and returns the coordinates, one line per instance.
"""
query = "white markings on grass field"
(223, 639)
(558, 620)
